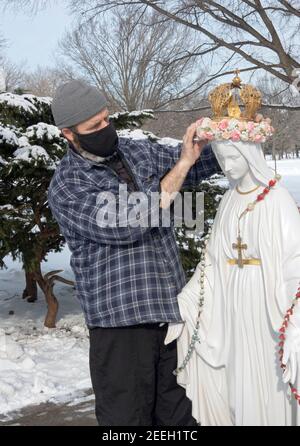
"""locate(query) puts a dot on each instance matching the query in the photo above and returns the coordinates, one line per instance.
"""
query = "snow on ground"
(37, 364)
(289, 169)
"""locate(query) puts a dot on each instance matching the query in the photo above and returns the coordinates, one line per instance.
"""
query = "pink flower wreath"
(231, 128)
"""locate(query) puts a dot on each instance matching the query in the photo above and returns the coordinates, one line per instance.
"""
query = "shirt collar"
(92, 159)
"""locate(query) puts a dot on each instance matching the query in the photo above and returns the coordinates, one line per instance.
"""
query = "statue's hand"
(174, 331)
(292, 347)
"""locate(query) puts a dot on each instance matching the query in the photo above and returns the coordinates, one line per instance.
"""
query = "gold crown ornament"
(227, 98)
(229, 122)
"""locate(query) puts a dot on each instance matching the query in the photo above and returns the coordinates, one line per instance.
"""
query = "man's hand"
(259, 117)
(172, 182)
(191, 150)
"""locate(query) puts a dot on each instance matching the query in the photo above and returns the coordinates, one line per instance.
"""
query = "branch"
(220, 41)
(213, 77)
(290, 8)
(282, 107)
(208, 107)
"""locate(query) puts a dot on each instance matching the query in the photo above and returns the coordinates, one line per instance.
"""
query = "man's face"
(93, 124)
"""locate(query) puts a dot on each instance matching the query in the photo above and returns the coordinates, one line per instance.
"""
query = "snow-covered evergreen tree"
(30, 149)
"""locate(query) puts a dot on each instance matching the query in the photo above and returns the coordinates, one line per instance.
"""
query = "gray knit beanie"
(75, 102)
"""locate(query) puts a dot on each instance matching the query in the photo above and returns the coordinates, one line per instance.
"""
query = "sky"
(33, 38)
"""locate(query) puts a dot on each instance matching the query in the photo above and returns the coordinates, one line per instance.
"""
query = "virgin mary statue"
(235, 305)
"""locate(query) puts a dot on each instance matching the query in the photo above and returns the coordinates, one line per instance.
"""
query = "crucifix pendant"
(240, 246)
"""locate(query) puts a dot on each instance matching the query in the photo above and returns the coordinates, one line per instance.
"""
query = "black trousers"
(131, 371)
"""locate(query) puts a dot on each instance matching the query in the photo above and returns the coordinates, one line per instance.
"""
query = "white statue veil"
(253, 154)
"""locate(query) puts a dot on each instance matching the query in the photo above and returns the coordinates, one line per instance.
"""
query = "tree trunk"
(52, 302)
(30, 291)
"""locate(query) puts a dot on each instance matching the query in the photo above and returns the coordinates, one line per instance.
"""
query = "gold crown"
(227, 98)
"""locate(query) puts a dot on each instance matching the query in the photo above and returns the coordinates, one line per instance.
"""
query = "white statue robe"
(234, 376)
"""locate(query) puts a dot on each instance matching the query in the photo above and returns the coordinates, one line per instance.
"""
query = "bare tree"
(12, 75)
(2, 80)
(43, 81)
(286, 122)
(30, 6)
(258, 36)
(137, 66)
(263, 32)
(255, 34)
(2, 45)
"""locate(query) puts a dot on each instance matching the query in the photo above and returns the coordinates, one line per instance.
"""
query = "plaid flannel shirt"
(124, 275)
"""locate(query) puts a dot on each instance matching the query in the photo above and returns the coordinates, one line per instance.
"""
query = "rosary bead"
(260, 197)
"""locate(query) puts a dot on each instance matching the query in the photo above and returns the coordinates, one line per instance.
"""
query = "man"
(127, 276)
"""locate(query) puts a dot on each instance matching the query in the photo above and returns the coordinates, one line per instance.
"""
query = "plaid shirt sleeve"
(97, 215)
(166, 156)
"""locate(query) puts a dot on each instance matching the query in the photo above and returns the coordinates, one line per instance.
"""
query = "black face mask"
(103, 142)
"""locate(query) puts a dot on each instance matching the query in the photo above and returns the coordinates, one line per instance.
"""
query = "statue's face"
(231, 161)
